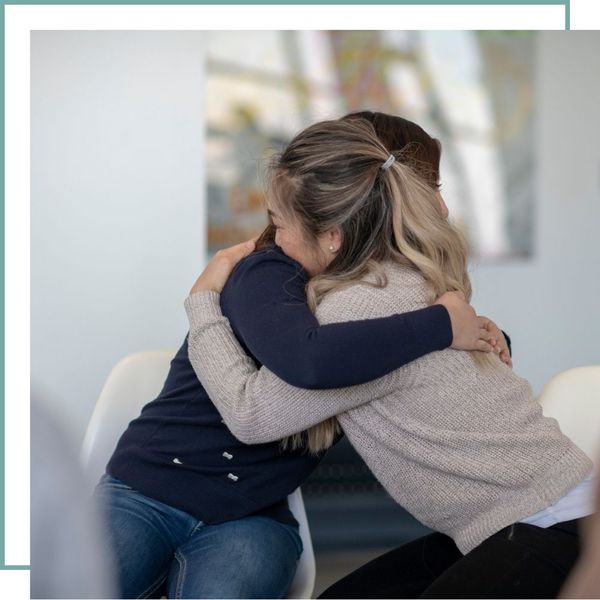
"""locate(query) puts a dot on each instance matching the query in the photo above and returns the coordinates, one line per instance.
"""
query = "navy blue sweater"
(180, 452)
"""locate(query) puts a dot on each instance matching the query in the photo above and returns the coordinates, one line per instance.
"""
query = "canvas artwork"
(473, 90)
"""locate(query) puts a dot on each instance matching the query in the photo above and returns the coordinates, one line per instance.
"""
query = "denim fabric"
(159, 550)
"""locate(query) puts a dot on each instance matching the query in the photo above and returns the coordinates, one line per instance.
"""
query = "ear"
(334, 239)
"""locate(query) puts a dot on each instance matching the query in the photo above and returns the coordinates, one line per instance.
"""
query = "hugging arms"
(265, 299)
(431, 432)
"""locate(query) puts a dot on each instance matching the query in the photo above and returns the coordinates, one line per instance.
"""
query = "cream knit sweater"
(465, 449)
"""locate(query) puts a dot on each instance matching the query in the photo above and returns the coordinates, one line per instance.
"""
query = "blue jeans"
(162, 550)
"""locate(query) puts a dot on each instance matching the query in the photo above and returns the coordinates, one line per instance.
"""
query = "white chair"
(573, 399)
(134, 381)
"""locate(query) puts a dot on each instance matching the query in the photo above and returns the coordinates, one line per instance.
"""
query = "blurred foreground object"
(66, 561)
(573, 399)
(584, 581)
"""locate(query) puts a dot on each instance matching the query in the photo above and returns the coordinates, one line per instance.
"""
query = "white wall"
(118, 222)
(549, 305)
(117, 219)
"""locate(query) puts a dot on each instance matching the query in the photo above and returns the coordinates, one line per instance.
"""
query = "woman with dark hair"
(455, 437)
(192, 511)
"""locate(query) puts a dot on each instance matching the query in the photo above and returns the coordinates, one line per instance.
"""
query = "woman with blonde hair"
(456, 438)
(190, 511)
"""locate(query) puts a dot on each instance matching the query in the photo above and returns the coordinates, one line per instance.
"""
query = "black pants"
(520, 561)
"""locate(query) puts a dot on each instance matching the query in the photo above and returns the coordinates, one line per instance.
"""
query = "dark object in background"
(348, 509)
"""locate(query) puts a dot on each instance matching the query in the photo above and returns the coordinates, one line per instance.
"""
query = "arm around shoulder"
(255, 404)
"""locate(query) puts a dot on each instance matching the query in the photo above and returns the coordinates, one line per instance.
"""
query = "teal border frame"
(565, 3)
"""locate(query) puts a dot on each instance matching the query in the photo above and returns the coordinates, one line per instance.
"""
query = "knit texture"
(466, 449)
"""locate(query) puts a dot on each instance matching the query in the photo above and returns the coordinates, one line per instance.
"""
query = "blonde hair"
(330, 176)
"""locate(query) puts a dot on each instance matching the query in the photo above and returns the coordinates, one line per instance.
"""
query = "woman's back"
(464, 447)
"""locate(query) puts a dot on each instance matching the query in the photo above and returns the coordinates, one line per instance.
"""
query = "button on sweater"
(465, 448)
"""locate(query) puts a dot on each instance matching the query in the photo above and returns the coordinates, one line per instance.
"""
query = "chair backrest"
(135, 381)
(573, 399)
(304, 581)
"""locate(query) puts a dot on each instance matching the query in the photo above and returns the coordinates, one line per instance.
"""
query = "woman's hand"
(501, 345)
(469, 332)
(217, 271)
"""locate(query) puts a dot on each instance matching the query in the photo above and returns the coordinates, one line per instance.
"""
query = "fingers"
(244, 248)
(492, 346)
(485, 335)
(234, 254)
(484, 346)
(248, 246)
(505, 358)
(485, 323)
(219, 268)
(487, 341)
(497, 339)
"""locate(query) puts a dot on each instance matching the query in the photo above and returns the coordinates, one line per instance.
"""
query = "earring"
(332, 249)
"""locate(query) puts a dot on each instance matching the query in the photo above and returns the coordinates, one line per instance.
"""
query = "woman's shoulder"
(264, 275)
(270, 253)
(387, 277)
(268, 260)
(389, 289)
(398, 273)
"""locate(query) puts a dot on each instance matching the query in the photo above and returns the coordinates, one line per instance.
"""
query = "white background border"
(19, 20)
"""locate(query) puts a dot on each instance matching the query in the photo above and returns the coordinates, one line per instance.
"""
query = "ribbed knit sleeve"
(265, 303)
(463, 447)
(256, 405)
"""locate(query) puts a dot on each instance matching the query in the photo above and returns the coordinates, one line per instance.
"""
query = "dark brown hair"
(409, 142)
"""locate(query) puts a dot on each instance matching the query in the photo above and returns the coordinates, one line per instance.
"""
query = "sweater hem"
(208, 501)
(546, 490)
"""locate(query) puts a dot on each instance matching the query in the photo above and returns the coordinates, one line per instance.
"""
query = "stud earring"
(331, 248)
